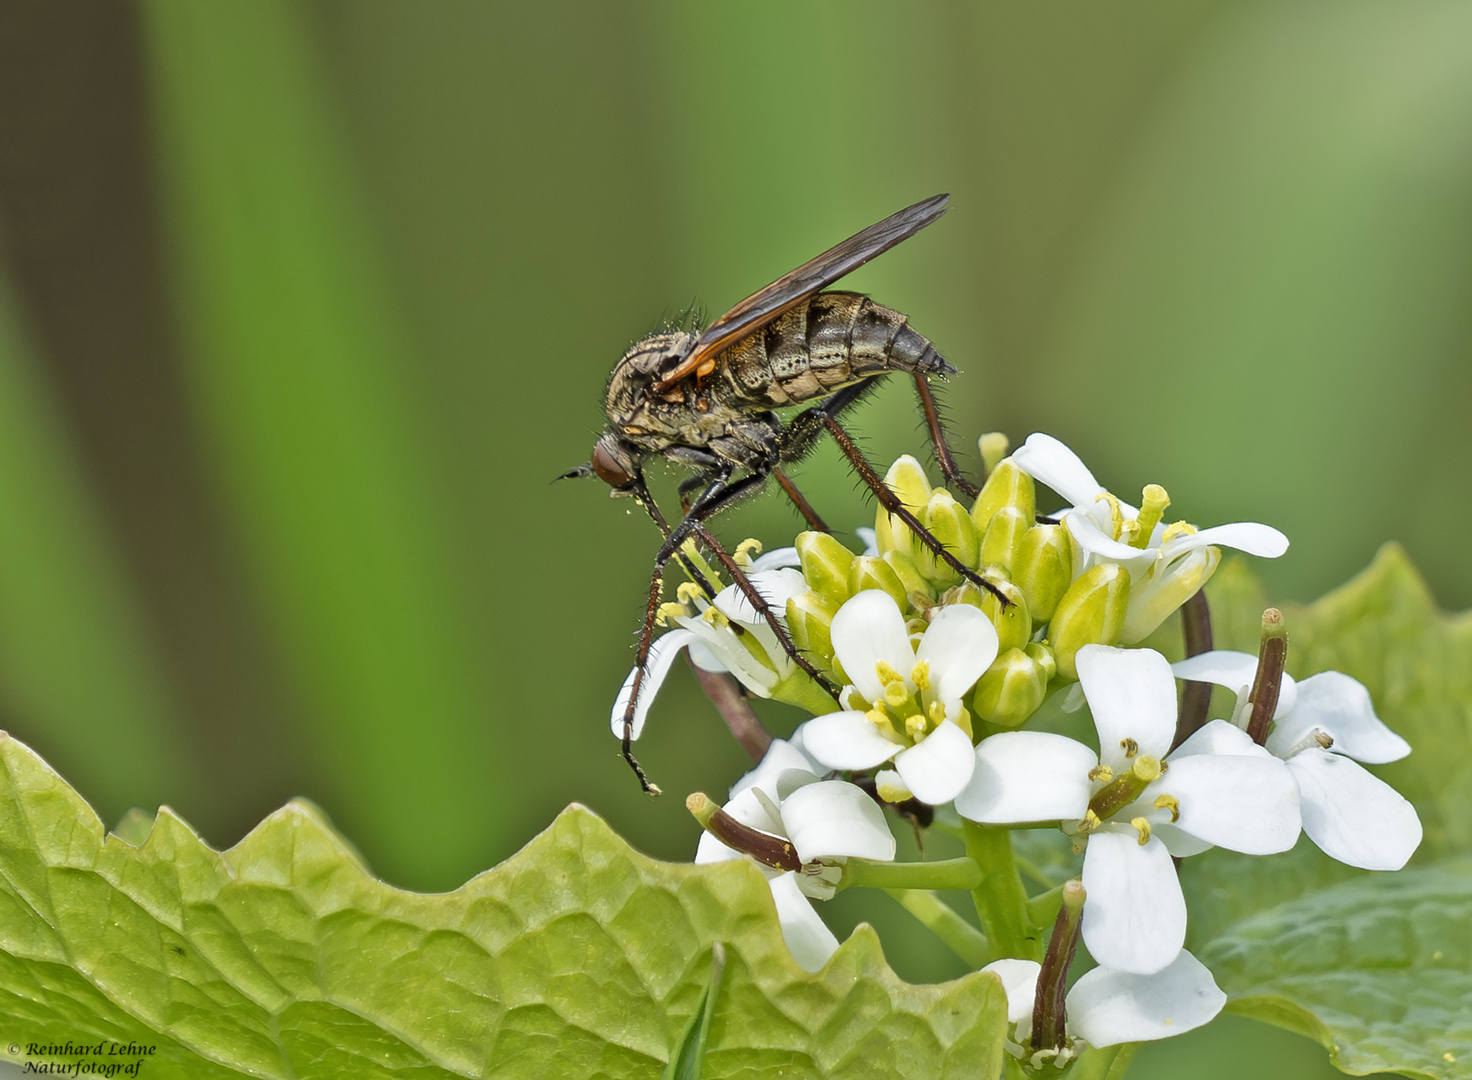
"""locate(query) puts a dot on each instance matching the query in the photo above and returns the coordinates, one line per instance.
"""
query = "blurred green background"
(302, 306)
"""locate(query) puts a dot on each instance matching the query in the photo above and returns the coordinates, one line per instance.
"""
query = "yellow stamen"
(1090, 822)
(1171, 803)
(886, 673)
(916, 727)
(745, 550)
(1130, 747)
(1324, 739)
(920, 675)
(688, 591)
(895, 695)
(937, 713)
(1141, 826)
(1101, 773)
(1180, 528)
(1116, 516)
(670, 611)
(713, 617)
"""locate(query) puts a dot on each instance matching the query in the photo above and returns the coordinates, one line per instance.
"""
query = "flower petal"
(846, 740)
(832, 819)
(1098, 543)
(1028, 776)
(1353, 815)
(937, 768)
(1219, 737)
(776, 559)
(781, 756)
(1048, 461)
(1233, 670)
(1106, 1007)
(776, 587)
(808, 938)
(866, 537)
(1342, 707)
(1132, 695)
(662, 654)
(959, 645)
(1263, 541)
(1020, 980)
(1135, 916)
(867, 629)
(1246, 804)
(711, 850)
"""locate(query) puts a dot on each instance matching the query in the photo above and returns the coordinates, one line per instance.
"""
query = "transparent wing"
(784, 294)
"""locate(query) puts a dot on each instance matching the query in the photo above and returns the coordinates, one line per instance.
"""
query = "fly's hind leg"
(804, 430)
(937, 431)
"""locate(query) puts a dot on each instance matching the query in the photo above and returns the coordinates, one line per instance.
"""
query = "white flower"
(1167, 566)
(714, 646)
(1106, 1008)
(910, 700)
(1136, 810)
(827, 821)
(1321, 724)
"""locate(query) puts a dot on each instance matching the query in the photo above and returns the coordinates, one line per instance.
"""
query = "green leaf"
(1375, 967)
(1378, 970)
(283, 957)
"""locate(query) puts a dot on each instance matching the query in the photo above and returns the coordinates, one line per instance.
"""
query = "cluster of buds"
(939, 680)
(1096, 572)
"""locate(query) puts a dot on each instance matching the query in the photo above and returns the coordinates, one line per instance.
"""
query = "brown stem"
(725, 694)
(1271, 656)
(1195, 696)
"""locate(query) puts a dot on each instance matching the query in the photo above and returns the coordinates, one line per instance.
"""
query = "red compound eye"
(607, 468)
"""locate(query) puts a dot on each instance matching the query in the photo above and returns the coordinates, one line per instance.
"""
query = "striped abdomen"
(835, 339)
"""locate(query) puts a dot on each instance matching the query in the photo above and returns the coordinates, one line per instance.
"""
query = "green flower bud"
(825, 564)
(1003, 536)
(1011, 690)
(1014, 625)
(810, 625)
(872, 572)
(1091, 613)
(907, 479)
(1043, 568)
(951, 525)
(1006, 486)
(910, 576)
(1043, 654)
(993, 447)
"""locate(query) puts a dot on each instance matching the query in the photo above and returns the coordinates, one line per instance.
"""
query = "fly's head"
(639, 418)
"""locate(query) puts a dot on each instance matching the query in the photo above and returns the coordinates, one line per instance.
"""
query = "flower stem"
(1195, 696)
(725, 694)
(959, 873)
(1271, 656)
(1048, 1006)
(958, 935)
(1001, 901)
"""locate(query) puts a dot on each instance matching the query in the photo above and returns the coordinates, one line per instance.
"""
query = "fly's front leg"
(764, 609)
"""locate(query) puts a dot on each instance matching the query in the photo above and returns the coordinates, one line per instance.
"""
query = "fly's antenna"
(585, 469)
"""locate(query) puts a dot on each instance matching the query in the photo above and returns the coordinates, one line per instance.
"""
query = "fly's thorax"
(834, 340)
(634, 376)
(633, 407)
